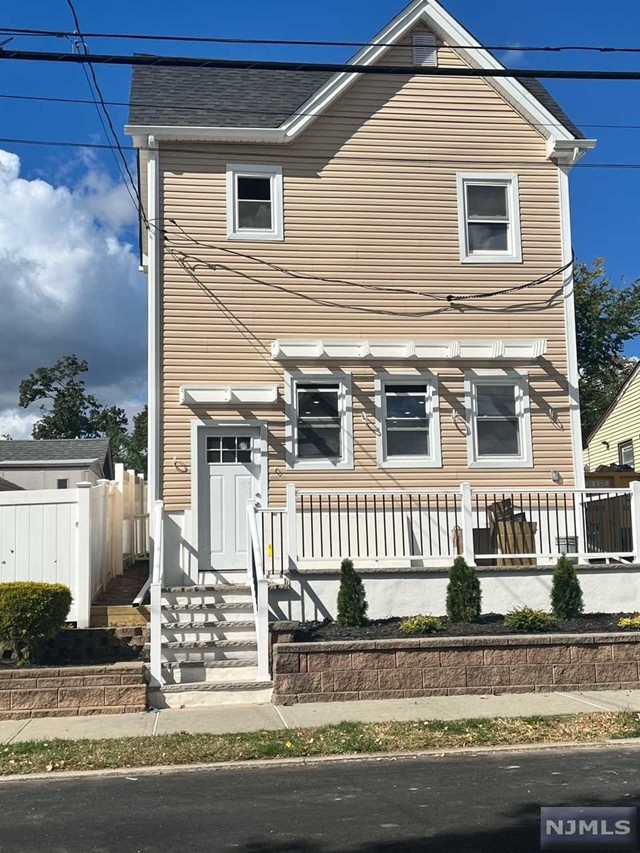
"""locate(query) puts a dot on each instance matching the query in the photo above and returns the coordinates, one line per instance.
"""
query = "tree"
(69, 411)
(566, 594)
(606, 318)
(464, 596)
(352, 601)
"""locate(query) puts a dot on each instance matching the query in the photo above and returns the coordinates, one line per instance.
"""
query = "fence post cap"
(83, 485)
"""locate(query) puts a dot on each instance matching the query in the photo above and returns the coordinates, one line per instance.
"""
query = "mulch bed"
(490, 624)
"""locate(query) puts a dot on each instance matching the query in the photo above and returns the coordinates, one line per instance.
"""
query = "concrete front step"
(209, 625)
(215, 587)
(210, 608)
(210, 672)
(232, 693)
(209, 597)
(186, 634)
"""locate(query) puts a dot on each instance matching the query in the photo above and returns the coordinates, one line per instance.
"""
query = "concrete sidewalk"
(226, 719)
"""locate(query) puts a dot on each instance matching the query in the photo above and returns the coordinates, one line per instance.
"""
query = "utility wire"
(299, 113)
(312, 67)
(313, 42)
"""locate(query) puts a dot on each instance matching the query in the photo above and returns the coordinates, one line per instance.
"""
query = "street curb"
(268, 763)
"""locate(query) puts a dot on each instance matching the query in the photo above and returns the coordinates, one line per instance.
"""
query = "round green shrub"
(566, 594)
(464, 596)
(30, 613)
(416, 625)
(528, 619)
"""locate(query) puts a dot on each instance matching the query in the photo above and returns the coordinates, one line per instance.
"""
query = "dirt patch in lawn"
(489, 625)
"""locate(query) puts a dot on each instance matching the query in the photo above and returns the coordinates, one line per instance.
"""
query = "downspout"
(570, 327)
(154, 238)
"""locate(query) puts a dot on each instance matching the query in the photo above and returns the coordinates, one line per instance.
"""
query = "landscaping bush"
(464, 596)
(416, 625)
(566, 594)
(632, 622)
(29, 614)
(352, 601)
(527, 619)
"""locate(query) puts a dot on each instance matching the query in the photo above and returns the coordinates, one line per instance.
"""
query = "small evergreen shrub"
(30, 613)
(566, 594)
(630, 622)
(527, 619)
(352, 601)
(464, 596)
(416, 625)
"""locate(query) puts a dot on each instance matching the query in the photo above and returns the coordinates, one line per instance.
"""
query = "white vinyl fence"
(76, 537)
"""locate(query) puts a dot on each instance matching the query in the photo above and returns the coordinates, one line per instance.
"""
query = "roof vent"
(424, 49)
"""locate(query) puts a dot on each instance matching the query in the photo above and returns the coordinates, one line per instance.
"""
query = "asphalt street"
(485, 802)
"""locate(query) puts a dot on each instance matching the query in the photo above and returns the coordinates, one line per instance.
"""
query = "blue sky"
(605, 209)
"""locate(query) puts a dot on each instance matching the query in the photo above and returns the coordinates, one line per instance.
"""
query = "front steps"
(209, 647)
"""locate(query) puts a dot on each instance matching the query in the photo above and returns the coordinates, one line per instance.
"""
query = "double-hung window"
(254, 203)
(489, 218)
(499, 420)
(625, 454)
(319, 421)
(408, 435)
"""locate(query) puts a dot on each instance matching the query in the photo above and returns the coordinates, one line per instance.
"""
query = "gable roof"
(48, 451)
(602, 420)
(176, 97)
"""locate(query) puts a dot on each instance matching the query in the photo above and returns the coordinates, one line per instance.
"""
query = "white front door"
(232, 473)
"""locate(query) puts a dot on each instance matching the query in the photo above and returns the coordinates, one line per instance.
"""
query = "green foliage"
(30, 613)
(416, 625)
(630, 622)
(566, 594)
(352, 601)
(69, 411)
(527, 619)
(606, 318)
(464, 596)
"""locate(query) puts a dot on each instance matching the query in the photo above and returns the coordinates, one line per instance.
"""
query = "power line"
(312, 42)
(427, 161)
(301, 113)
(312, 67)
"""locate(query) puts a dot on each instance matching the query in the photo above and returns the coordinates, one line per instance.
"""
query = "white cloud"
(68, 284)
(17, 423)
(511, 57)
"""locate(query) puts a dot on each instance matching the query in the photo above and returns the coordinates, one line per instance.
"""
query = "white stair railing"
(157, 577)
(259, 591)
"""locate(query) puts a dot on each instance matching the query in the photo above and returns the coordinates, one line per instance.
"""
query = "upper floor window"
(499, 434)
(254, 203)
(625, 454)
(489, 218)
(319, 420)
(408, 435)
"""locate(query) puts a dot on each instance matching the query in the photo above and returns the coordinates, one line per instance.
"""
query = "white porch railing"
(257, 580)
(430, 527)
(157, 578)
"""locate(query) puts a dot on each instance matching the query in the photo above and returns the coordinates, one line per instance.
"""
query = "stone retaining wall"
(394, 669)
(72, 691)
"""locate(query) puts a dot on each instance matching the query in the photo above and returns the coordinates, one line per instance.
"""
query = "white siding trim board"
(521, 349)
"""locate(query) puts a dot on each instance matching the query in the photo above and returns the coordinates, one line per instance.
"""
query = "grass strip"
(341, 739)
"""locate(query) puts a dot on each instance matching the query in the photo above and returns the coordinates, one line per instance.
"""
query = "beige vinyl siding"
(622, 424)
(369, 199)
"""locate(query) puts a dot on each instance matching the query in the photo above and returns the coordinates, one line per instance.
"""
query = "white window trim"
(514, 254)
(472, 378)
(291, 381)
(246, 170)
(434, 459)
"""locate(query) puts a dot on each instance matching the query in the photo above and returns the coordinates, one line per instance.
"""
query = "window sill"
(501, 462)
(405, 464)
(491, 259)
(256, 236)
(321, 465)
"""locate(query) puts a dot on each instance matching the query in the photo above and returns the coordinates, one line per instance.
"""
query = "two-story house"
(361, 324)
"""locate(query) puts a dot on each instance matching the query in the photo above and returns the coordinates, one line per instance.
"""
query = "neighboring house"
(7, 486)
(615, 439)
(318, 249)
(58, 463)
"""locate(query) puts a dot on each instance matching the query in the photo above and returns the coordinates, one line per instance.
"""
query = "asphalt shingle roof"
(54, 450)
(218, 97)
(239, 97)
